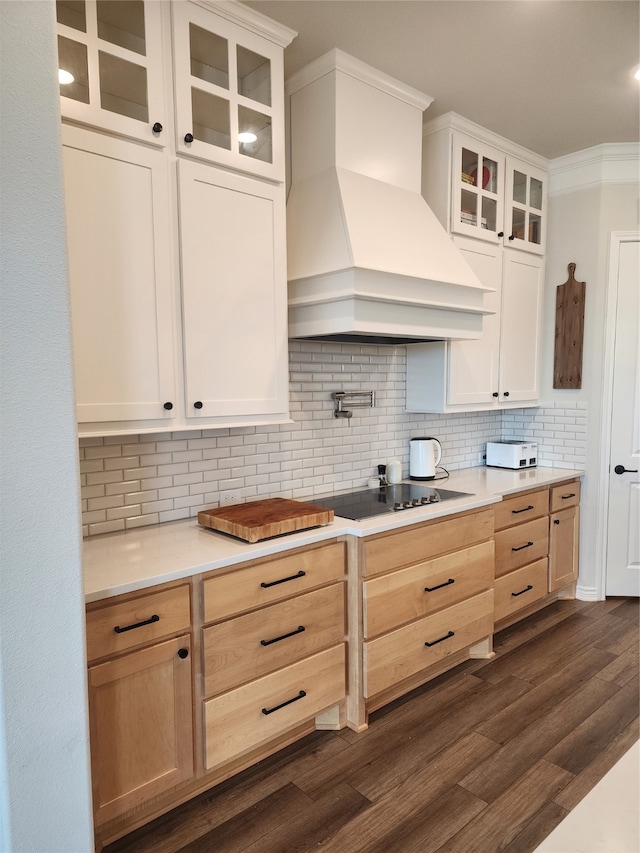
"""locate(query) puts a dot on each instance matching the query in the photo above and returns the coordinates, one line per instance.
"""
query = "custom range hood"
(367, 258)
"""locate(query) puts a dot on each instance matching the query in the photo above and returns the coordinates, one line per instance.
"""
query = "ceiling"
(552, 75)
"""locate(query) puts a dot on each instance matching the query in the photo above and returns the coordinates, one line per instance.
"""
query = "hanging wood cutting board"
(257, 520)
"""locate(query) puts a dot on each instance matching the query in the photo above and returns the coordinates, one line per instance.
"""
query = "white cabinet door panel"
(234, 294)
(119, 248)
(473, 365)
(522, 288)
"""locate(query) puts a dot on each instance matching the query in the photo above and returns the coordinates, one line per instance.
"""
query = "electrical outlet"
(231, 496)
(482, 458)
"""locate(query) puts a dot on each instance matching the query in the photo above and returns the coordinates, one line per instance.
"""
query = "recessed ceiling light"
(247, 136)
(65, 77)
(637, 74)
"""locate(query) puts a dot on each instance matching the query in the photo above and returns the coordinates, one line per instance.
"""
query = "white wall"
(44, 777)
(592, 193)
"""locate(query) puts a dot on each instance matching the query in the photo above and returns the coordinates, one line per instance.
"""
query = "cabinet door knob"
(197, 404)
(183, 653)
(500, 233)
(495, 394)
(168, 406)
(506, 393)
(157, 127)
(620, 469)
(188, 137)
(512, 236)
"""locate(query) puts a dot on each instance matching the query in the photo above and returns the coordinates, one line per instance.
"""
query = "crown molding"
(338, 60)
(248, 18)
(610, 163)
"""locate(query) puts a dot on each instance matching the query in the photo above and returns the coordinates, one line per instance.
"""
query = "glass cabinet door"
(477, 190)
(225, 87)
(525, 218)
(109, 66)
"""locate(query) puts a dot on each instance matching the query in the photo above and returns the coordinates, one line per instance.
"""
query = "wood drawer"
(394, 599)
(520, 508)
(565, 495)
(388, 551)
(520, 588)
(236, 722)
(115, 627)
(250, 646)
(271, 580)
(400, 654)
(516, 546)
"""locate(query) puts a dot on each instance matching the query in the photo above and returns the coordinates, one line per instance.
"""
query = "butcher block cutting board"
(257, 520)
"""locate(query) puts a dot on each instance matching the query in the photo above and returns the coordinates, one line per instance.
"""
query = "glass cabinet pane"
(535, 194)
(72, 13)
(468, 207)
(209, 56)
(469, 167)
(519, 187)
(72, 58)
(489, 213)
(489, 175)
(211, 122)
(254, 76)
(123, 87)
(535, 228)
(518, 223)
(121, 22)
(256, 125)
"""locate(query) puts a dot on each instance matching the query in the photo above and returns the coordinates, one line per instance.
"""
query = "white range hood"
(367, 258)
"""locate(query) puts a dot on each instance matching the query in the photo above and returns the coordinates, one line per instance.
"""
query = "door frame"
(616, 239)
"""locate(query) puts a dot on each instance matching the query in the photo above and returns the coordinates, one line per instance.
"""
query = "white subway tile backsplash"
(148, 479)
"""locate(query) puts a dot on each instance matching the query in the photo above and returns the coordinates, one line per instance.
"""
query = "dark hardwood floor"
(488, 757)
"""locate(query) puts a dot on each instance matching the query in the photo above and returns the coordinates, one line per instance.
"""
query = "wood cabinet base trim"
(112, 831)
(409, 684)
(540, 604)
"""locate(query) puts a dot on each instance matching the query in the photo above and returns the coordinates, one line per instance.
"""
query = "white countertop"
(115, 563)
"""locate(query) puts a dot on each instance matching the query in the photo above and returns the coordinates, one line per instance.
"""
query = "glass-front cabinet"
(110, 66)
(227, 108)
(478, 190)
(496, 197)
(525, 213)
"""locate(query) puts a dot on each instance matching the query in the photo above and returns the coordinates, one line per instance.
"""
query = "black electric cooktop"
(404, 497)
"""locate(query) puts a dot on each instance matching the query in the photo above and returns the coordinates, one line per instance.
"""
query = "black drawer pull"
(440, 585)
(556, 521)
(524, 509)
(522, 591)
(120, 630)
(298, 630)
(522, 547)
(300, 574)
(566, 497)
(446, 637)
(300, 695)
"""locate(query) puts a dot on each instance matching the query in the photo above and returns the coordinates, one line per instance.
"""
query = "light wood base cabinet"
(424, 603)
(140, 698)
(536, 539)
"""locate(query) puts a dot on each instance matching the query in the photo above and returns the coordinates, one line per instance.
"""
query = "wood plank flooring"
(488, 757)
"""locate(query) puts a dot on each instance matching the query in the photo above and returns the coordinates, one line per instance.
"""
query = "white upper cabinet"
(482, 186)
(229, 93)
(233, 302)
(120, 272)
(177, 266)
(111, 68)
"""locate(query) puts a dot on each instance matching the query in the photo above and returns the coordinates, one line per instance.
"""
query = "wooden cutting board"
(256, 520)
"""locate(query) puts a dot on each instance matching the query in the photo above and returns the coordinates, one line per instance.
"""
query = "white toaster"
(512, 454)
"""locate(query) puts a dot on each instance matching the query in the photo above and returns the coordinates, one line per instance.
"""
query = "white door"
(623, 530)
